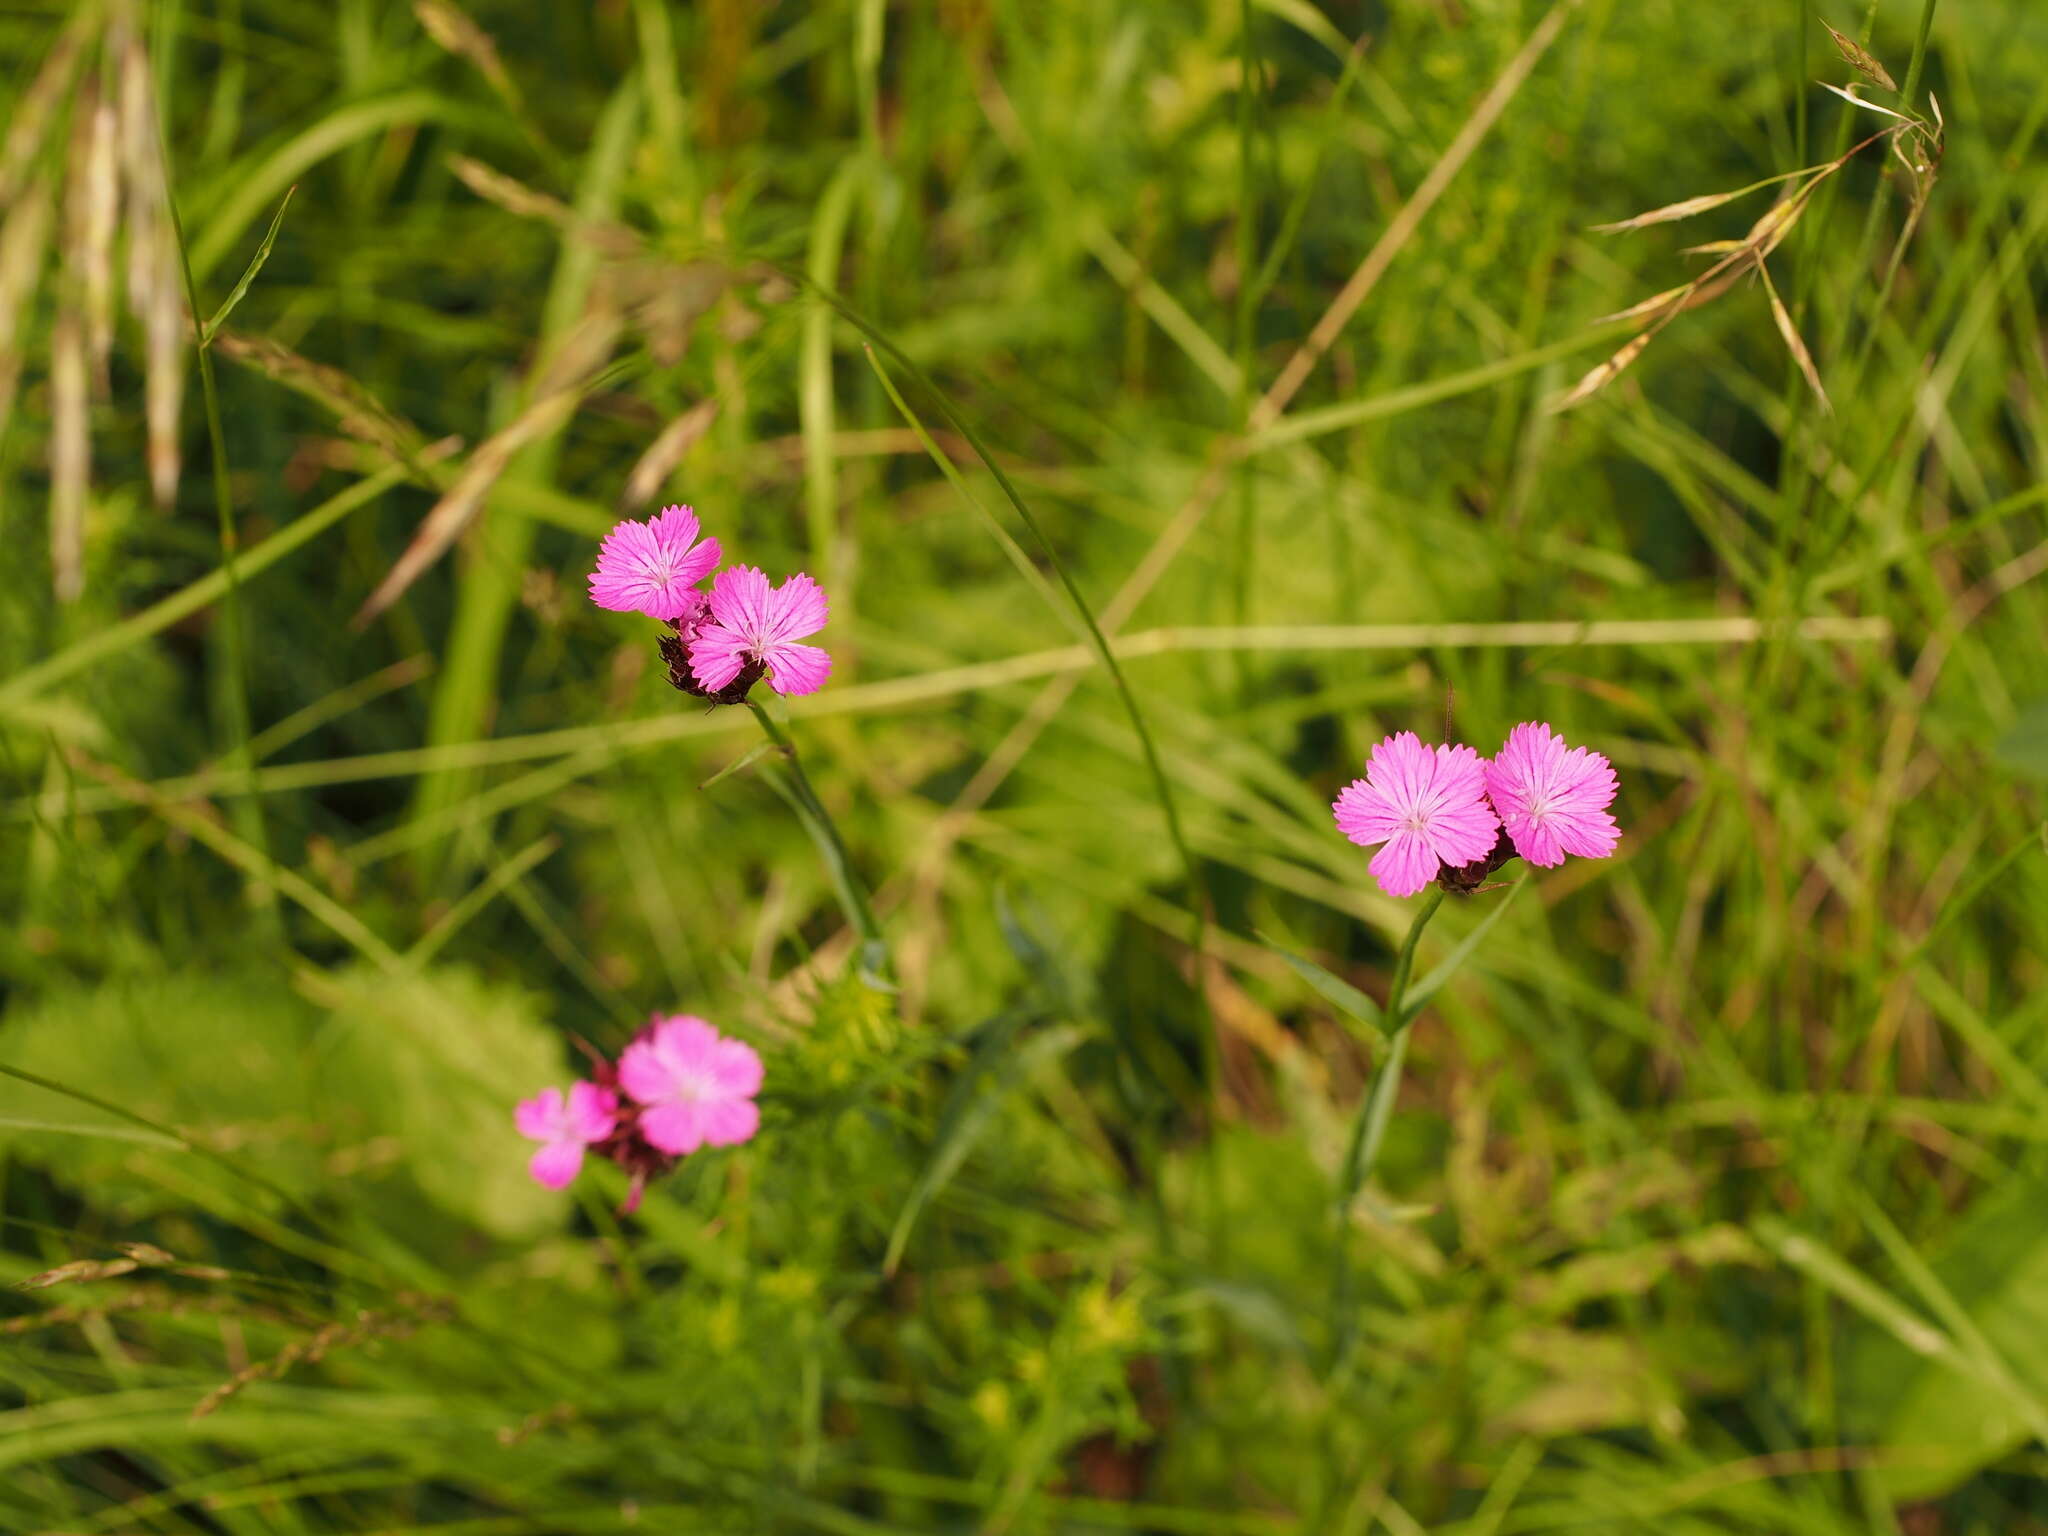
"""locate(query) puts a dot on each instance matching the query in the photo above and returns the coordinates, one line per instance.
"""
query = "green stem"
(1370, 1129)
(831, 847)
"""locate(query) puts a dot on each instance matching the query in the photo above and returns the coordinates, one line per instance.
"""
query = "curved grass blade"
(235, 294)
(1425, 989)
(1097, 641)
(969, 1111)
(1336, 991)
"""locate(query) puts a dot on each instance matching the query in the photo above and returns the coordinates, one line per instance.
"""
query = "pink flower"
(1428, 807)
(564, 1127)
(653, 567)
(694, 1086)
(755, 625)
(1552, 800)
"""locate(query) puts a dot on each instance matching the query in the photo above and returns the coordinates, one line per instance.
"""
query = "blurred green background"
(1713, 1200)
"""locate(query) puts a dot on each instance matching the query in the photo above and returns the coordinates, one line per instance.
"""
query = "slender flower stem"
(825, 833)
(1370, 1129)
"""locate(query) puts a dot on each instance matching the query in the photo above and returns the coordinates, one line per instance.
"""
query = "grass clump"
(336, 819)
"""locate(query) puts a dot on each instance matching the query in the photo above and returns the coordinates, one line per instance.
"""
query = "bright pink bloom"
(653, 567)
(1552, 800)
(753, 623)
(1428, 807)
(694, 1086)
(565, 1127)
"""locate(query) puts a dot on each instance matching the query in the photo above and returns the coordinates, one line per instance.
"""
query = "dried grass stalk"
(165, 336)
(451, 27)
(357, 412)
(31, 115)
(558, 390)
(23, 237)
(494, 186)
(1794, 343)
(98, 189)
(1598, 378)
(668, 449)
(70, 452)
(156, 290)
(1861, 59)
(455, 511)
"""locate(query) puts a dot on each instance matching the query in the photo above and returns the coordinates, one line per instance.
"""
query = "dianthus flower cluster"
(722, 642)
(678, 1086)
(1449, 815)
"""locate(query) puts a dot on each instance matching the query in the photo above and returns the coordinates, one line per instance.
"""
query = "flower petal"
(1405, 865)
(643, 1074)
(735, 1069)
(796, 669)
(796, 609)
(717, 655)
(728, 1122)
(540, 1117)
(556, 1164)
(677, 1129)
(591, 1111)
(740, 602)
(1363, 814)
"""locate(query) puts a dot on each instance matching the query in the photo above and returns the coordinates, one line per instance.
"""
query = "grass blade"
(227, 305)
(1336, 991)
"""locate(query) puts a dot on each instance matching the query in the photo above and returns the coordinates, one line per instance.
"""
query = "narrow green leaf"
(1337, 992)
(969, 1111)
(262, 255)
(2024, 748)
(1425, 989)
(740, 764)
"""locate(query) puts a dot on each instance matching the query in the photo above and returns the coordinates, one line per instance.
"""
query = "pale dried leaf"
(1600, 377)
(165, 335)
(456, 510)
(80, 1269)
(141, 172)
(1670, 298)
(31, 113)
(92, 202)
(580, 353)
(23, 238)
(667, 451)
(1767, 232)
(513, 196)
(1793, 340)
(1672, 212)
(356, 411)
(1862, 59)
(1712, 248)
(70, 452)
(451, 27)
(1850, 96)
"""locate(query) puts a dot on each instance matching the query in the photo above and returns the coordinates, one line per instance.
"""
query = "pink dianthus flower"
(694, 1086)
(1428, 806)
(564, 1127)
(1552, 799)
(752, 624)
(653, 567)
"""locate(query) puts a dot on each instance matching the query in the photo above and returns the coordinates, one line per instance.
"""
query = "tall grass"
(1711, 1196)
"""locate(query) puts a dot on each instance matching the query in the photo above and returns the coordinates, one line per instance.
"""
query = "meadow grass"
(1168, 397)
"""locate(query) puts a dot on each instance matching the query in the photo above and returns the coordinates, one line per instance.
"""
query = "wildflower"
(754, 627)
(1428, 806)
(694, 1086)
(564, 1127)
(1551, 799)
(653, 567)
